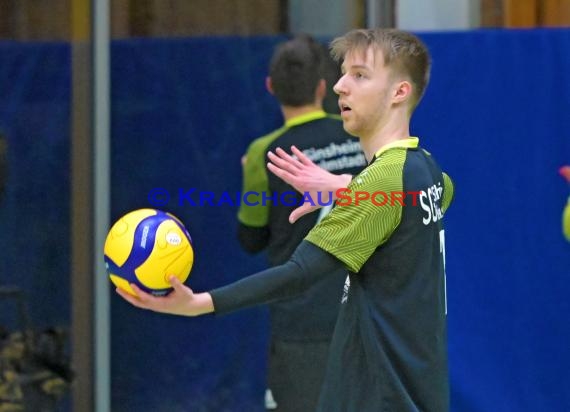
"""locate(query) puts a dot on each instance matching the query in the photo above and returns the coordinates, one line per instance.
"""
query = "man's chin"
(350, 129)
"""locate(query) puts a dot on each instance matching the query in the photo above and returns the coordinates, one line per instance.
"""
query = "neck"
(290, 112)
(396, 128)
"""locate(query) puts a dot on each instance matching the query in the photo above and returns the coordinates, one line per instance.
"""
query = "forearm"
(308, 265)
(200, 304)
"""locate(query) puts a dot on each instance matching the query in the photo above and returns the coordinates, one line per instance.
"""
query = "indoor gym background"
(496, 116)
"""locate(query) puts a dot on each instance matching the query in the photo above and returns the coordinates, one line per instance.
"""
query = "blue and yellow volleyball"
(146, 247)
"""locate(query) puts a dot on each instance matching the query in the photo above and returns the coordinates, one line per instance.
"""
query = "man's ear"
(403, 91)
(269, 85)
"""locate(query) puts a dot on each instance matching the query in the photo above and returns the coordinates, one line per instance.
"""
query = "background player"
(302, 327)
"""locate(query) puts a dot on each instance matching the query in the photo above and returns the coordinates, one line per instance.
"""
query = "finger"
(133, 300)
(293, 216)
(177, 284)
(288, 158)
(137, 290)
(303, 158)
(285, 163)
(282, 174)
(143, 297)
(300, 212)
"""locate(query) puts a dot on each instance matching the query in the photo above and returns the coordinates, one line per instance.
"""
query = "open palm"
(307, 178)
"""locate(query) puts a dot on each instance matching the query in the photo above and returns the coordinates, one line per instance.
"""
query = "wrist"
(201, 304)
(341, 182)
(344, 180)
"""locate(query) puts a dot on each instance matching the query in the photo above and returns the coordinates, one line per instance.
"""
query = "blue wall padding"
(496, 116)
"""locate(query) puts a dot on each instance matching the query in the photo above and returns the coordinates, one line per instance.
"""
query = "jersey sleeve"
(255, 179)
(307, 266)
(448, 192)
(351, 232)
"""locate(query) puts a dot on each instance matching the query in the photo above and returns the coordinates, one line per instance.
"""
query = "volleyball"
(146, 247)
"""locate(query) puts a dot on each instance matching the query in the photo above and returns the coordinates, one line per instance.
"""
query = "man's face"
(364, 91)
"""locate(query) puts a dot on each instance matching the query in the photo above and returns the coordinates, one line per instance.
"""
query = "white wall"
(321, 17)
(335, 17)
(423, 15)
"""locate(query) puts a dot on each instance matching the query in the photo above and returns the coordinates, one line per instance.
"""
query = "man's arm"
(253, 231)
(253, 239)
(308, 265)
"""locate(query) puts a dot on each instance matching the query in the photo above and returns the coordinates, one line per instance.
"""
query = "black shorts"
(295, 374)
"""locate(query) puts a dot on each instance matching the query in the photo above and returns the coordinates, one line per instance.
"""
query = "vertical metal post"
(380, 13)
(90, 204)
(101, 202)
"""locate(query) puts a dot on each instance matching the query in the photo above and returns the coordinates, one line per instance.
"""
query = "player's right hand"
(181, 301)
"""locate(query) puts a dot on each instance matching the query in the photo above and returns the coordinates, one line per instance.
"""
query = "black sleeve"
(253, 239)
(308, 265)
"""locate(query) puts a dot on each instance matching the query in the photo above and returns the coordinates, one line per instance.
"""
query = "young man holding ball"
(389, 349)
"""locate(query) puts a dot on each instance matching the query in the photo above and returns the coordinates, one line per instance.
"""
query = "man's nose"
(339, 87)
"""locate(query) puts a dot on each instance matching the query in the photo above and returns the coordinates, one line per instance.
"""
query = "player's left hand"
(181, 301)
(307, 178)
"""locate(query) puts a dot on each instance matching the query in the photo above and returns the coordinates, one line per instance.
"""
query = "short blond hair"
(402, 51)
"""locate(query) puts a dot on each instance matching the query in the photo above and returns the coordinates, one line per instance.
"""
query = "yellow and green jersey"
(392, 321)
